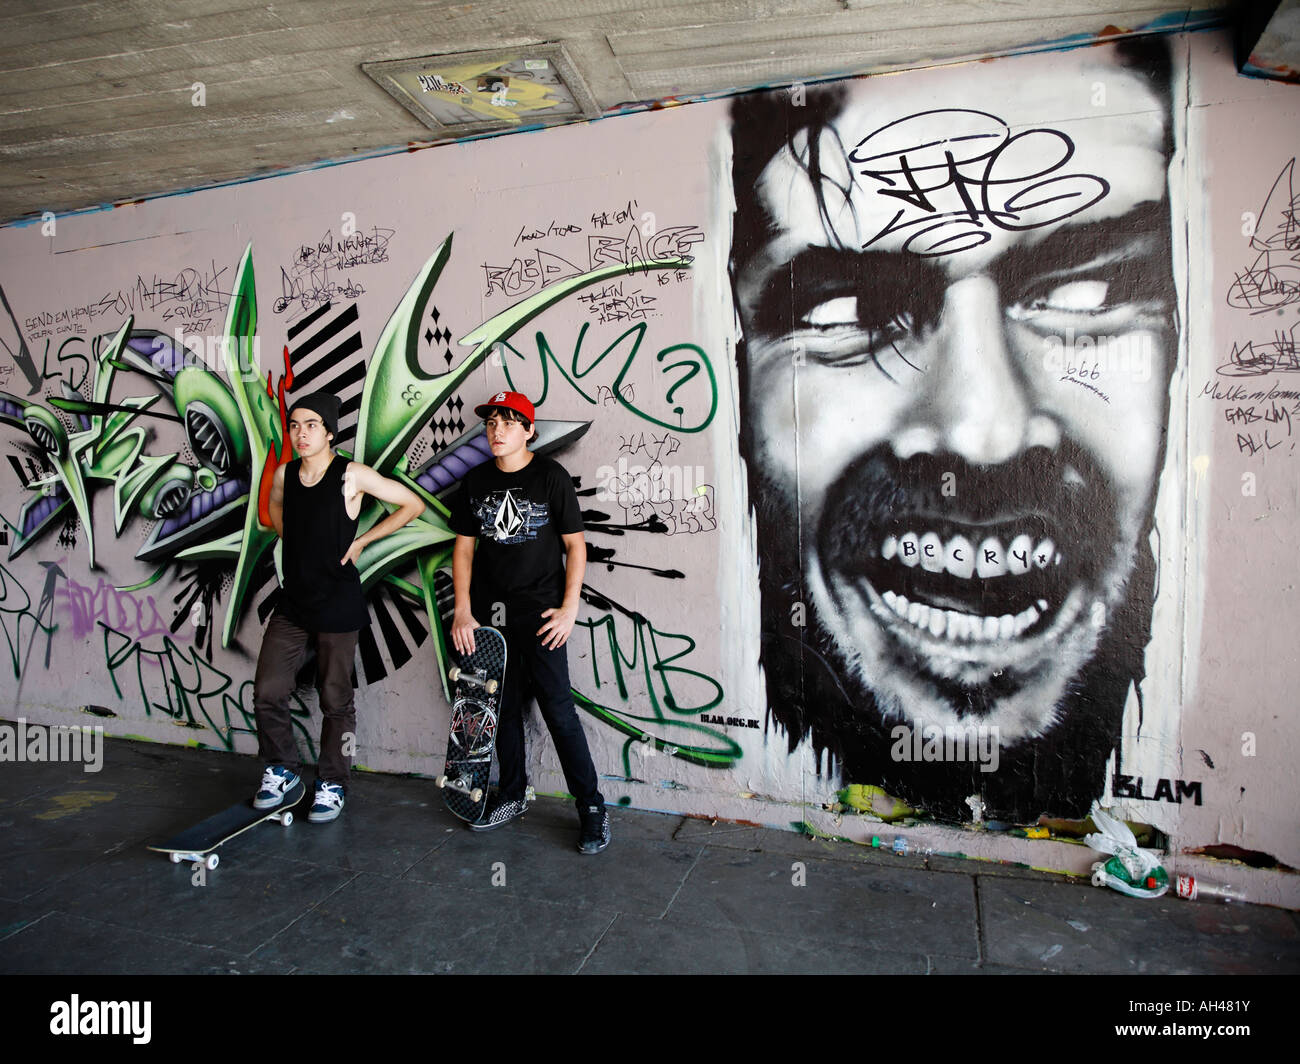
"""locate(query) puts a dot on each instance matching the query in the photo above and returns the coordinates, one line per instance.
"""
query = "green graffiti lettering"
(181, 684)
(684, 738)
(620, 391)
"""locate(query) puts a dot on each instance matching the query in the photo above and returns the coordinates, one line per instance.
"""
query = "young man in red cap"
(522, 514)
(315, 501)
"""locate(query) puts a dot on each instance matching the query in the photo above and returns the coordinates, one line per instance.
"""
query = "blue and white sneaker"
(277, 781)
(328, 803)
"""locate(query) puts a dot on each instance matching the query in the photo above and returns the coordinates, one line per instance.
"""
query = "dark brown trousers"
(284, 646)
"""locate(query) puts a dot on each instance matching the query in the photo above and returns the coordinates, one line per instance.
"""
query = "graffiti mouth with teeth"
(975, 603)
(938, 574)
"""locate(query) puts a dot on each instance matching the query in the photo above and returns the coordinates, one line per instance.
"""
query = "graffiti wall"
(933, 435)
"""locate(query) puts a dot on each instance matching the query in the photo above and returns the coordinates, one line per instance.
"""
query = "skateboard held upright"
(476, 700)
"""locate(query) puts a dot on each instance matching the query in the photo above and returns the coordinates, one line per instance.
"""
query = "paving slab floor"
(397, 886)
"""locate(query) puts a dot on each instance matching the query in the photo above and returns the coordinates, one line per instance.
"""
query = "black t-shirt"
(518, 518)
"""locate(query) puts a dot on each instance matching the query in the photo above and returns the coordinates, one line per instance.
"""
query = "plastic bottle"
(1193, 889)
(900, 846)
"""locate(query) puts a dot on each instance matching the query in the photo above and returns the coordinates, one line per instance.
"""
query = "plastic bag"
(1130, 870)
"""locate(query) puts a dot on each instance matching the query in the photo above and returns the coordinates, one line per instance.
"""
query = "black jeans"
(283, 648)
(532, 671)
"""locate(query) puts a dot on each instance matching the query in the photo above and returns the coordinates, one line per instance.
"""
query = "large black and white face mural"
(956, 304)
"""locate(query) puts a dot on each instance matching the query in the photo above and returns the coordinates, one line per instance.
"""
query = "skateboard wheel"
(176, 858)
(441, 782)
(491, 687)
(476, 795)
(454, 673)
(287, 819)
(212, 861)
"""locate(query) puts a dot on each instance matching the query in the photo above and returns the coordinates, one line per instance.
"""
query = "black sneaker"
(595, 829)
(500, 813)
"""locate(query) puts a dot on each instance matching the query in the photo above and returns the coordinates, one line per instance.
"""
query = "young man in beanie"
(522, 514)
(315, 501)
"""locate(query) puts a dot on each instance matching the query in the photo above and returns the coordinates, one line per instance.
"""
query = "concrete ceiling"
(98, 99)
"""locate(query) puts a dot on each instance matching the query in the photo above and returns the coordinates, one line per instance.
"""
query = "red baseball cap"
(516, 401)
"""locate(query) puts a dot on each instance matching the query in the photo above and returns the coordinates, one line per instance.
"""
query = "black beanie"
(324, 404)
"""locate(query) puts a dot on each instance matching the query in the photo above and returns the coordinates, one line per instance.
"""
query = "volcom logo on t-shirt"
(509, 519)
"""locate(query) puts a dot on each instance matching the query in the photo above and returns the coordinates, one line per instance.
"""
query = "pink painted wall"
(737, 655)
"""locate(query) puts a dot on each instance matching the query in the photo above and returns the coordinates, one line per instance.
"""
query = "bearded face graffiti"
(955, 363)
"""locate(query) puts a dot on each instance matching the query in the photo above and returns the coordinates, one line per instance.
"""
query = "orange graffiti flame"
(275, 460)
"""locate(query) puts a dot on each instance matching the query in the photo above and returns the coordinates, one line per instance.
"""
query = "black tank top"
(319, 594)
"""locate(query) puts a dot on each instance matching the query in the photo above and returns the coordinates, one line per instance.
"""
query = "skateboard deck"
(200, 842)
(476, 699)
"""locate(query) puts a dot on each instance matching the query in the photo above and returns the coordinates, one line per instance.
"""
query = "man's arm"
(462, 569)
(362, 480)
(555, 632)
(276, 504)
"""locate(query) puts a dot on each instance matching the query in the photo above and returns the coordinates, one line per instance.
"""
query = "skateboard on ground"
(476, 700)
(200, 842)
